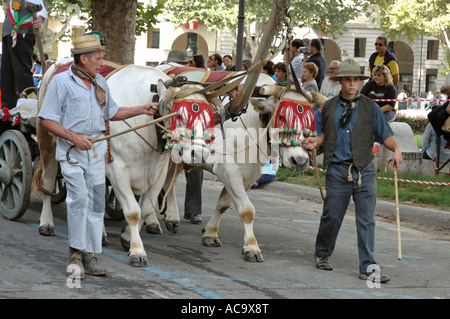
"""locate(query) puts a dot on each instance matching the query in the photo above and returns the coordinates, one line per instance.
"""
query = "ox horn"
(273, 90)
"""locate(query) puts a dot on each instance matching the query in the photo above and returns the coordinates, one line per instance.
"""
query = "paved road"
(32, 266)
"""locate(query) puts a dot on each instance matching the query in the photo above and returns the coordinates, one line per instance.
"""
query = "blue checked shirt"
(343, 150)
(69, 102)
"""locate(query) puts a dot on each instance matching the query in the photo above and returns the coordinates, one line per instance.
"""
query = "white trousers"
(85, 201)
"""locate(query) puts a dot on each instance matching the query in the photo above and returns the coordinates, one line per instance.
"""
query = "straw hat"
(349, 67)
(86, 44)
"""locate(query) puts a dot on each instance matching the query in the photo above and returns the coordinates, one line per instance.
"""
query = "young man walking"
(350, 122)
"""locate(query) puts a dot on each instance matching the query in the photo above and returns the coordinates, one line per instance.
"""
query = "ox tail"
(37, 180)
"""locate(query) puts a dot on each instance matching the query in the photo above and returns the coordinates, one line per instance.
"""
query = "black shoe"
(322, 263)
(376, 277)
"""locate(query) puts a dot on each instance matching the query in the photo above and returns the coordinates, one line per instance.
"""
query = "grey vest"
(8, 26)
(362, 135)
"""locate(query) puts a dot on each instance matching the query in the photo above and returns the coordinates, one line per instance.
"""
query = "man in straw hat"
(350, 122)
(75, 107)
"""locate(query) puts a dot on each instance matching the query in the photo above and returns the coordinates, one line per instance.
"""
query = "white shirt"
(69, 102)
(330, 89)
(297, 65)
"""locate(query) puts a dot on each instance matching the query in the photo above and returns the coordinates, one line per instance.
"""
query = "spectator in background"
(402, 100)
(280, 73)
(268, 69)
(381, 88)
(383, 56)
(331, 88)
(198, 61)
(431, 102)
(228, 63)
(216, 62)
(317, 58)
(423, 100)
(37, 70)
(269, 174)
(310, 71)
(297, 59)
(246, 64)
(437, 118)
(429, 145)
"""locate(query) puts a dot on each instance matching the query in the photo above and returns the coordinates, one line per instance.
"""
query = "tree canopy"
(327, 17)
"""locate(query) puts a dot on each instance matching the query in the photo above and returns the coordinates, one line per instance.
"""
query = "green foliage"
(145, 19)
(414, 194)
(417, 125)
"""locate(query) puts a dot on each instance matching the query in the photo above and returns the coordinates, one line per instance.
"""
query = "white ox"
(238, 165)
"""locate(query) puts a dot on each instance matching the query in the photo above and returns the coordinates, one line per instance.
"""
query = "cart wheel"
(16, 174)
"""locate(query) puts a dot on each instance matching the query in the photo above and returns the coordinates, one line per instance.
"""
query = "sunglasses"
(332, 69)
(378, 44)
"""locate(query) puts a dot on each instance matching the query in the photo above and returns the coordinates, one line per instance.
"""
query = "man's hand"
(82, 142)
(310, 143)
(397, 159)
(150, 108)
(37, 24)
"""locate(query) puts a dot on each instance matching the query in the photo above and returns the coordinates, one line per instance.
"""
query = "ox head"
(292, 121)
(190, 135)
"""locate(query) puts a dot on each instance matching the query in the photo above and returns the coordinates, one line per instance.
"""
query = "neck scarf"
(348, 108)
(100, 93)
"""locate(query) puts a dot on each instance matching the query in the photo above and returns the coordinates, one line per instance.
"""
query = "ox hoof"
(172, 226)
(154, 229)
(138, 261)
(253, 256)
(211, 241)
(46, 230)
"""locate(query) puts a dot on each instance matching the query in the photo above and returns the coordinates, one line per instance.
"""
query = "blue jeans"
(338, 193)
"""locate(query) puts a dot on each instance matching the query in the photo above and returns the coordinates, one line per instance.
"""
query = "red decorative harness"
(191, 113)
(292, 120)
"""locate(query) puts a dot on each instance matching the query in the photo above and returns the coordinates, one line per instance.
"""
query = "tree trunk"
(116, 20)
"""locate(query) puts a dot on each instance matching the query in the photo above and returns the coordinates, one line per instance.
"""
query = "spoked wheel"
(16, 174)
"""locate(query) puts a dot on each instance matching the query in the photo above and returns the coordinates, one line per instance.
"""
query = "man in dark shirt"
(317, 58)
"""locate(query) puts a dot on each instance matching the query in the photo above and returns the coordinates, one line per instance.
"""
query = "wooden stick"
(30, 6)
(131, 129)
(399, 236)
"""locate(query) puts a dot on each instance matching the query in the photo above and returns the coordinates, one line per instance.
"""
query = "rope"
(409, 100)
(400, 180)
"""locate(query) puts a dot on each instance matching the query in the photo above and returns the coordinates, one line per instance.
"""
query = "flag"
(192, 25)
